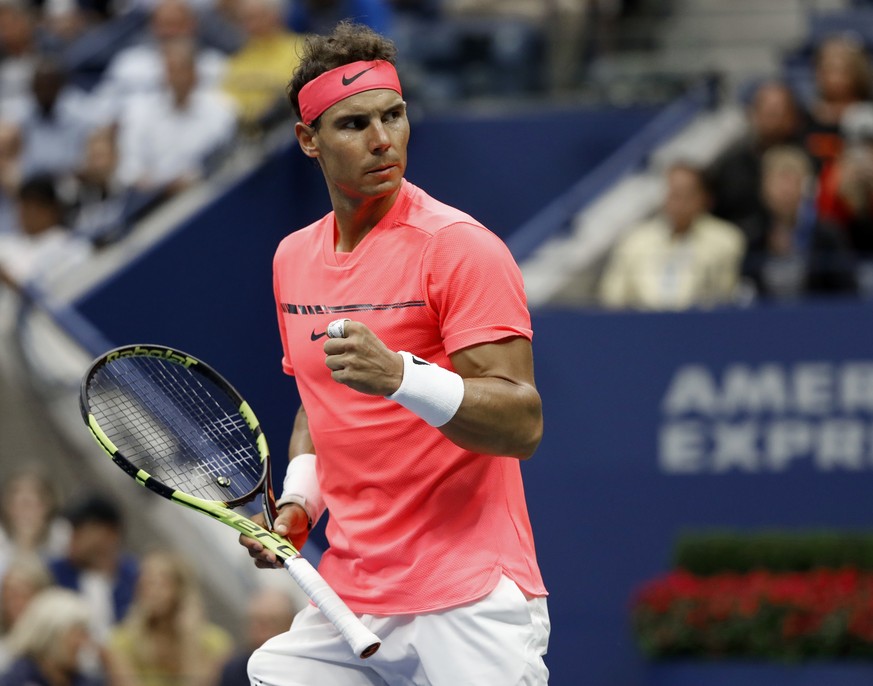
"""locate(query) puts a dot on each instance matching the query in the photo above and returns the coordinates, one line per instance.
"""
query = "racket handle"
(363, 641)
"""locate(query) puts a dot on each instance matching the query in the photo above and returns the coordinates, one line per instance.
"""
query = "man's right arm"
(292, 521)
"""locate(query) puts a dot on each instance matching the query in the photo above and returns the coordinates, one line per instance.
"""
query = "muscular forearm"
(501, 411)
(488, 404)
(497, 417)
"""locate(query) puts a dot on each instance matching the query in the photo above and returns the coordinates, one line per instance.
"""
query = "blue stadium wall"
(654, 423)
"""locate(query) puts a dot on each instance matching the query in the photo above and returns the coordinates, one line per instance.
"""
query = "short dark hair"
(41, 189)
(349, 42)
(95, 509)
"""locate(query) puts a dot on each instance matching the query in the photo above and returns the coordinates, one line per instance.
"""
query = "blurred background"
(687, 186)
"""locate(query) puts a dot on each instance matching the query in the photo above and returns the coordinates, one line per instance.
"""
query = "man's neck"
(356, 218)
(680, 231)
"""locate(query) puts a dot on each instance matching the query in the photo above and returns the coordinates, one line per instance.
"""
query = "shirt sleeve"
(474, 287)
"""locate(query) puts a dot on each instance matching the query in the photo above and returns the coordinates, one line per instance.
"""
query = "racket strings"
(178, 426)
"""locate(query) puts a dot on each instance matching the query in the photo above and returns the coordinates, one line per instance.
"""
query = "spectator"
(29, 518)
(18, 50)
(140, 69)
(10, 176)
(519, 27)
(165, 637)
(63, 22)
(842, 78)
(257, 75)
(682, 258)
(97, 197)
(791, 252)
(321, 16)
(25, 576)
(53, 122)
(45, 247)
(96, 563)
(166, 137)
(485, 49)
(50, 641)
(774, 118)
(270, 612)
(845, 192)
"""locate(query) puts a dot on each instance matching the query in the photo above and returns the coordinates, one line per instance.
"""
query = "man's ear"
(306, 139)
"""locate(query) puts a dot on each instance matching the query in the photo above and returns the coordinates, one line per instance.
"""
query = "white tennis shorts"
(499, 640)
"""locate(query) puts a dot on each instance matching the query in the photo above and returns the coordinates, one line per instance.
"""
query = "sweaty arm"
(500, 412)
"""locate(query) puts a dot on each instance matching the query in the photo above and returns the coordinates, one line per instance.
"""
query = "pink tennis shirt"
(416, 523)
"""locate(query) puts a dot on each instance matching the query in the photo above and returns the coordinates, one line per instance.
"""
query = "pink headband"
(343, 82)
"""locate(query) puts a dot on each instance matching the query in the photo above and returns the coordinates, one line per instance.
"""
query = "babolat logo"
(269, 540)
(145, 351)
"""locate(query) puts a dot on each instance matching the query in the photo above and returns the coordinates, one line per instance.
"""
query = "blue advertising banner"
(658, 424)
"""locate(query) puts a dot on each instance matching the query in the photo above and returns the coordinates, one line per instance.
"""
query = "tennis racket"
(181, 430)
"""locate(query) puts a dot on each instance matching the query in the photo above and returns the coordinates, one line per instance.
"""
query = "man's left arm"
(490, 406)
(501, 412)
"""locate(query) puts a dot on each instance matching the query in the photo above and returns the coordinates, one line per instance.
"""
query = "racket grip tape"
(363, 641)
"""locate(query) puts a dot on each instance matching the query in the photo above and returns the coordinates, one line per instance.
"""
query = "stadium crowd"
(114, 106)
(79, 608)
(107, 109)
(785, 212)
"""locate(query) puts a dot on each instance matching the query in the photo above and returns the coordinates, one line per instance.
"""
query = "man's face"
(180, 70)
(172, 19)
(361, 144)
(47, 85)
(774, 115)
(258, 18)
(836, 72)
(686, 199)
(37, 217)
(95, 545)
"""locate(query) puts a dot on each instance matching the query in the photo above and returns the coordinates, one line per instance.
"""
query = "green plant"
(716, 552)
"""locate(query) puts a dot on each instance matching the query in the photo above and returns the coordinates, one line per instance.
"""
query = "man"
(774, 118)
(165, 138)
(139, 69)
(256, 76)
(96, 564)
(52, 122)
(683, 257)
(45, 248)
(417, 456)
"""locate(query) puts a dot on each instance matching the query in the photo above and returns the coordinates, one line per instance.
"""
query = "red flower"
(759, 614)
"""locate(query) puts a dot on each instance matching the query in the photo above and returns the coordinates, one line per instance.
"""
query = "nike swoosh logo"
(315, 336)
(418, 360)
(349, 82)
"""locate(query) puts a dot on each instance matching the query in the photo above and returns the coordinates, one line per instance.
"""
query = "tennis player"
(405, 325)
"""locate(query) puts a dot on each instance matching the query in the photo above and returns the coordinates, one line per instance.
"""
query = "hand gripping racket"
(181, 430)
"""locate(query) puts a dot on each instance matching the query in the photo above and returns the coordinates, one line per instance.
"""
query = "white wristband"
(428, 390)
(301, 487)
